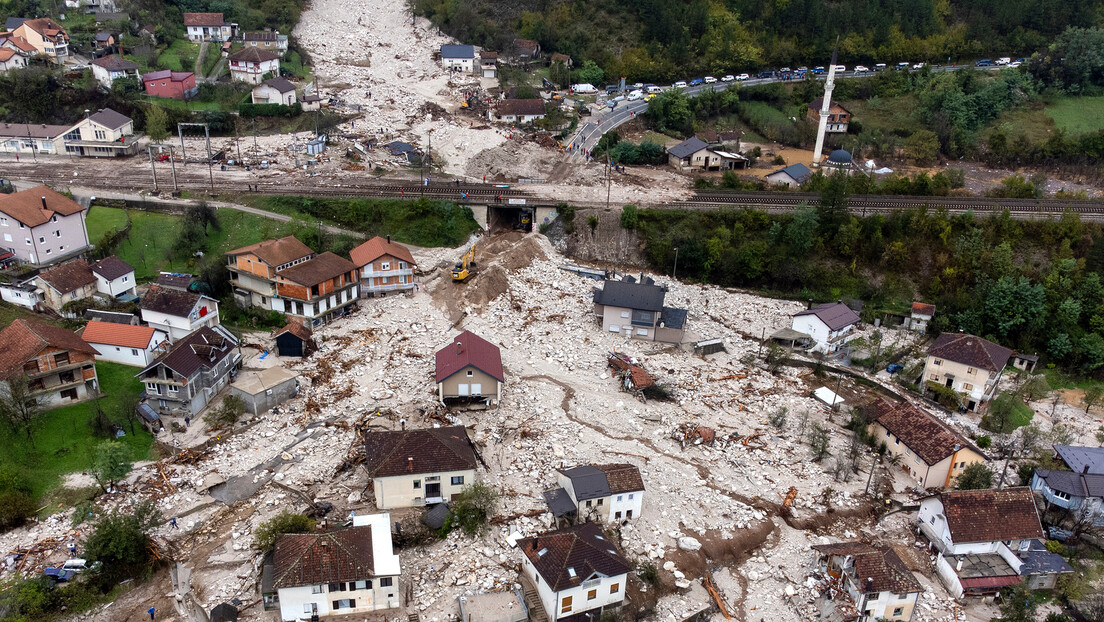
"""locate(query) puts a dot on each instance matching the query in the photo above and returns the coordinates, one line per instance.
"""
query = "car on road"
(985, 62)
(919, 65)
(635, 95)
(681, 84)
(652, 89)
(638, 86)
(818, 70)
(1004, 60)
(903, 66)
(802, 69)
(743, 77)
(728, 78)
(710, 79)
(880, 67)
(785, 70)
(650, 97)
(841, 68)
(763, 75)
(696, 82)
(862, 69)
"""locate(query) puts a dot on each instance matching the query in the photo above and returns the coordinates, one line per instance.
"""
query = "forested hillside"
(663, 40)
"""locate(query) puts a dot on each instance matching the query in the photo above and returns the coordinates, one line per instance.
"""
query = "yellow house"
(929, 450)
(874, 578)
(970, 365)
(416, 468)
(47, 37)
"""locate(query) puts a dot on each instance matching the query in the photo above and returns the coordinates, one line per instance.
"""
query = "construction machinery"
(465, 267)
(525, 220)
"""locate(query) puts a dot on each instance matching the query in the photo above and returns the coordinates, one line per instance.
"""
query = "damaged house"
(470, 370)
(635, 309)
(830, 326)
(415, 468)
(878, 585)
(602, 492)
(574, 570)
(192, 372)
(929, 450)
(969, 365)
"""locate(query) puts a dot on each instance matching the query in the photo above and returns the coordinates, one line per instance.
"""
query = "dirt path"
(198, 68)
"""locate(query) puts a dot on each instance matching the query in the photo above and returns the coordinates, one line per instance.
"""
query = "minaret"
(829, 84)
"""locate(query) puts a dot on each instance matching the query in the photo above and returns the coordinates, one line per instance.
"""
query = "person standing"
(151, 612)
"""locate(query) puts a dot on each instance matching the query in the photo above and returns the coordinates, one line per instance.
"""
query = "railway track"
(890, 203)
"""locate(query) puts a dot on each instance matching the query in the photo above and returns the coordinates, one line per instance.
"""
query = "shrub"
(593, 222)
(984, 442)
(629, 217)
(121, 543)
(648, 573)
(16, 507)
(778, 418)
(249, 111)
(472, 509)
(818, 442)
(976, 476)
(227, 414)
(264, 538)
(779, 160)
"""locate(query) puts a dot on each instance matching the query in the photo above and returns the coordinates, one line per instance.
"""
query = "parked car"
(785, 70)
(612, 88)
(919, 65)
(802, 69)
(893, 368)
(818, 70)
(728, 78)
(583, 87)
(710, 79)
(635, 95)
(861, 69)
(681, 84)
(1015, 63)
(841, 68)
(652, 89)
(985, 62)
(903, 66)
(743, 77)
(638, 86)
(763, 75)
(1004, 60)
(696, 82)
(880, 67)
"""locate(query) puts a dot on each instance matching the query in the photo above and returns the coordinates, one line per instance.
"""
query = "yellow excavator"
(465, 267)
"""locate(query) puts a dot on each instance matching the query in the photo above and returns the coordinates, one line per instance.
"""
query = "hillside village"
(640, 447)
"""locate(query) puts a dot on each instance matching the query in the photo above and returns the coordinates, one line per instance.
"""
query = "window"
(4, 221)
(937, 362)
(591, 595)
(134, 351)
(62, 358)
(7, 237)
(624, 314)
(589, 502)
(600, 502)
(386, 581)
(28, 241)
(337, 587)
(417, 484)
(344, 603)
(458, 480)
(470, 373)
(643, 332)
(49, 250)
(316, 589)
(1061, 495)
(898, 611)
(971, 370)
(966, 386)
(312, 607)
(565, 604)
(41, 239)
(630, 496)
(619, 497)
(101, 135)
(361, 585)
(617, 515)
(57, 233)
(614, 588)
(612, 329)
(385, 265)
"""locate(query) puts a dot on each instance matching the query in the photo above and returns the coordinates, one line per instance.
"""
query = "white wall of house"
(607, 591)
(948, 577)
(407, 491)
(976, 384)
(615, 507)
(19, 296)
(297, 603)
(178, 327)
(210, 33)
(107, 76)
(619, 320)
(141, 357)
(464, 64)
(62, 236)
(827, 341)
(112, 288)
(888, 606)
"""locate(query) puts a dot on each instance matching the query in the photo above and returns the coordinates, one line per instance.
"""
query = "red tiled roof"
(467, 348)
(6, 54)
(984, 582)
(378, 247)
(123, 335)
(991, 515)
(411, 452)
(621, 477)
(253, 55)
(276, 252)
(920, 308)
(317, 269)
(27, 206)
(311, 559)
(970, 350)
(23, 339)
(878, 563)
(69, 276)
(572, 555)
(204, 19)
(931, 439)
(297, 329)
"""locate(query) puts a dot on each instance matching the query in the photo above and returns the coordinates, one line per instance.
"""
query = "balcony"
(386, 273)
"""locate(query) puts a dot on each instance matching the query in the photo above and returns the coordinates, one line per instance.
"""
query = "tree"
(19, 406)
(559, 74)
(629, 217)
(818, 441)
(1092, 396)
(227, 414)
(264, 538)
(590, 73)
(801, 233)
(110, 463)
(1034, 388)
(157, 123)
(976, 476)
(121, 542)
(472, 509)
(1000, 416)
(203, 214)
(775, 357)
(923, 147)
(833, 208)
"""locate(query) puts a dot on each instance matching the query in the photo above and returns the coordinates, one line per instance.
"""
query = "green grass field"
(886, 114)
(10, 313)
(1077, 115)
(63, 440)
(101, 220)
(179, 104)
(1032, 121)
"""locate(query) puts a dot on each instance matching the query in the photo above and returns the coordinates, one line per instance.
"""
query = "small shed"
(828, 396)
(224, 613)
(262, 390)
(1026, 362)
(149, 418)
(294, 340)
(316, 146)
(792, 339)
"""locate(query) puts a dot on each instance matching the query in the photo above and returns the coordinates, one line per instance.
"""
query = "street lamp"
(674, 271)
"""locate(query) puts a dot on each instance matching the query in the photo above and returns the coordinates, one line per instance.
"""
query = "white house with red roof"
(209, 27)
(125, 343)
(385, 267)
(469, 371)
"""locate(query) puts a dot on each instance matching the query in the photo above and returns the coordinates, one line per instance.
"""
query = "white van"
(654, 90)
(1004, 60)
(635, 95)
(681, 84)
(584, 88)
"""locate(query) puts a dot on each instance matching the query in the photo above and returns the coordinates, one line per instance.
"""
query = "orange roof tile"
(378, 247)
(124, 335)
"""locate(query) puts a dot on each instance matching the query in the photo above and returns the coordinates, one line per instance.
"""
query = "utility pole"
(1004, 471)
(153, 167)
(210, 163)
(172, 163)
(609, 181)
(34, 155)
(674, 271)
(873, 466)
(255, 134)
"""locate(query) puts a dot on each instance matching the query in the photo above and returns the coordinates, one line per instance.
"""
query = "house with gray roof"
(1081, 459)
(830, 326)
(793, 175)
(694, 154)
(1081, 494)
(604, 492)
(106, 133)
(636, 310)
(458, 57)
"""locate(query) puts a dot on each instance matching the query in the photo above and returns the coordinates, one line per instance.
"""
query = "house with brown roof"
(115, 278)
(208, 27)
(125, 343)
(11, 59)
(985, 540)
(352, 570)
(970, 365)
(188, 376)
(602, 492)
(929, 450)
(317, 290)
(830, 325)
(919, 317)
(253, 269)
(47, 37)
(878, 584)
(469, 371)
(62, 284)
(574, 570)
(385, 267)
(488, 64)
(31, 139)
(42, 227)
(269, 40)
(108, 69)
(526, 49)
(59, 366)
(274, 91)
(178, 313)
(415, 468)
(517, 110)
(254, 65)
(294, 340)
(838, 116)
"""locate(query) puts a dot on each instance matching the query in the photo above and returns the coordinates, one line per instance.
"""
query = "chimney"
(459, 347)
(322, 542)
(44, 202)
(402, 422)
(1085, 469)
(958, 566)
(957, 447)
(809, 305)
(388, 238)
(869, 584)
(410, 463)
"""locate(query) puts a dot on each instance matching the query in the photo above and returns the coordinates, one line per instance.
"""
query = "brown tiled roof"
(311, 559)
(834, 108)
(23, 339)
(991, 515)
(115, 63)
(411, 452)
(253, 55)
(297, 329)
(880, 564)
(124, 335)
(44, 26)
(27, 206)
(931, 439)
(69, 276)
(583, 549)
(520, 107)
(283, 85)
(276, 252)
(921, 308)
(378, 247)
(525, 44)
(32, 130)
(467, 348)
(970, 350)
(621, 477)
(204, 19)
(317, 269)
(488, 54)
(169, 301)
(204, 348)
(6, 54)
(112, 268)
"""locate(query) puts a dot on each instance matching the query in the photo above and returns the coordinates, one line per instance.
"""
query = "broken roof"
(567, 557)
(929, 438)
(311, 559)
(276, 253)
(559, 502)
(256, 382)
(878, 564)
(23, 340)
(835, 315)
(36, 206)
(970, 350)
(466, 349)
(602, 480)
(205, 348)
(115, 334)
(833, 107)
(991, 515)
(109, 118)
(112, 268)
(629, 294)
(69, 276)
(1073, 484)
(317, 269)
(412, 452)
(377, 247)
(174, 76)
(688, 147)
(1082, 459)
(673, 318)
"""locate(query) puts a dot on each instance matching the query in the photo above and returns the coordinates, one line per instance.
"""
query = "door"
(477, 389)
(462, 390)
(433, 490)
